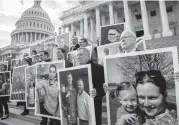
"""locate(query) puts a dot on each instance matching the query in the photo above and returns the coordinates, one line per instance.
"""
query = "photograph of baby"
(108, 49)
(30, 74)
(17, 88)
(142, 90)
(5, 81)
(73, 56)
(76, 104)
(47, 89)
(3, 66)
(111, 33)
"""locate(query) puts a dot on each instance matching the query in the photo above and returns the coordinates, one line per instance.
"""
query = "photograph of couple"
(76, 104)
(142, 90)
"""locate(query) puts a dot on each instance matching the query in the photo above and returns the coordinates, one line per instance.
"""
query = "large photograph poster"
(142, 81)
(36, 47)
(111, 33)
(30, 74)
(108, 49)
(5, 81)
(47, 89)
(75, 85)
(49, 45)
(3, 66)
(63, 41)
(18, 84)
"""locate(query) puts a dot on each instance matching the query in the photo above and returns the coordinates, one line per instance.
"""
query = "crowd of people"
(142, 104)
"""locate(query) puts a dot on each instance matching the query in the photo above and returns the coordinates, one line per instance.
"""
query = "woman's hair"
(153, 76)
(122, 86)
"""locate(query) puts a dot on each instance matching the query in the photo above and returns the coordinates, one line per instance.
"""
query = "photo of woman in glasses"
(141, 88)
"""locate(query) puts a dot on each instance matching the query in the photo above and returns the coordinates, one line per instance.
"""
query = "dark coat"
(97, 72)
(68, 64)
(74, 47)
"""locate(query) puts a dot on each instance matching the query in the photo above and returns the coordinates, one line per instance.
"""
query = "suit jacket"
(68, 64)
(74, 47)
(97, 79)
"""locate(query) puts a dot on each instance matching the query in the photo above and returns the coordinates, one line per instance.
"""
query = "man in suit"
(75, 46)
(61, 55)
(83, 56)
(128, 41)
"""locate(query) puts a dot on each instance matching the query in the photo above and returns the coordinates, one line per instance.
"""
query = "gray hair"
(128, 32)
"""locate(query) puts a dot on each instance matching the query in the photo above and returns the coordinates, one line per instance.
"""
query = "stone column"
(35, 37)
(31, 37)
(27, 40)
(81, 28)
(103, 19)
(128, 24)
(164, 19)
(85, 25)
(18, 37)
(98, 22)
(145, 20)
(72, 29)
(111, 13)
(92, 28)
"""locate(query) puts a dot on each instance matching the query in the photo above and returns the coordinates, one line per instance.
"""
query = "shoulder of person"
(120, 112)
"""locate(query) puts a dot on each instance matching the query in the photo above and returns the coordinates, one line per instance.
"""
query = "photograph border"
(88, 66)
(37, 114)
(26, 85)
(69, 40)
(107, 26)
(11, 85)
(175, 67)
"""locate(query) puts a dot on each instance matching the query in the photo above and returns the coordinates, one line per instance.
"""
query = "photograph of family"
(47, 89)
(18, 84)
(3, 66)
(76, 104)
(111, 33)
(5, 81)
(30, 74)
(142, 90)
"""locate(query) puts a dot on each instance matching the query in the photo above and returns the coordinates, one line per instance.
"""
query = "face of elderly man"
(74, 40)
(83, 56)
(127, 40)
(112, 35)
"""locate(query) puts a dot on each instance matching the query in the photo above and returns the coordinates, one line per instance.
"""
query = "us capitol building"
(33, 25)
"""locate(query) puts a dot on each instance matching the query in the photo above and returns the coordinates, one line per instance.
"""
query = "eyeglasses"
(151, 74)
(125, 37)
(111, 34)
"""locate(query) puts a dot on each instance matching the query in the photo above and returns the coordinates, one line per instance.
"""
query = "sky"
(11, 11)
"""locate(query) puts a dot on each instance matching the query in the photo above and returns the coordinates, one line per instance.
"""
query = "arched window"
(30, 24)
(41, 25)
(34, 24)
(37, 25)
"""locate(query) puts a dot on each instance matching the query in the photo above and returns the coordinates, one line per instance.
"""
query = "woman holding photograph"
(152, 94)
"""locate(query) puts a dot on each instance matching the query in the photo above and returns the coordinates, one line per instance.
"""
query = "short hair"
(74, 37)
(153, 76)
(122, 86)
(84, 39)
(128, 32)
(34, 51)
(62, 50)
(69, 73)
(53, 66)
(85, 49)
(45, 52)
(80, 79)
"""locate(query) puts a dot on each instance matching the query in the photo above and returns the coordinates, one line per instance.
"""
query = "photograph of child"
(141, 87)
(47, 89)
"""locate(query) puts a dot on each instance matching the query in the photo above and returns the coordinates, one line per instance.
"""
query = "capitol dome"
(33, 25)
